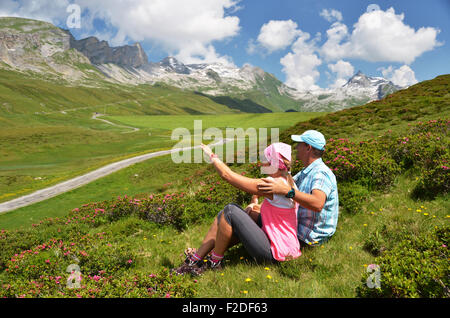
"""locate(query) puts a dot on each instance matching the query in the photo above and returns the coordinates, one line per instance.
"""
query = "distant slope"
(423, 101)
(22, 93)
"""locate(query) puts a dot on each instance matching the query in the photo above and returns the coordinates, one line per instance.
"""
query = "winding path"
(96, 115)
(79, 181)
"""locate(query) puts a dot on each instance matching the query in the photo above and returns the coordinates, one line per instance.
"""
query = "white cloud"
(403, 76)
(331, 15)
(200, 53)
(252, 47)
(379, 36)
(186, 28)
(332, 49)
(277, 34)
(44, 10)
(300, 65)
(343, 71)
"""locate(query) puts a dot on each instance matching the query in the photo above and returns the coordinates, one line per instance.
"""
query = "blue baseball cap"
(311, 137)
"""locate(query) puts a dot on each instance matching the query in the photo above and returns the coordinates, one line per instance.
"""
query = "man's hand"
(271, 186)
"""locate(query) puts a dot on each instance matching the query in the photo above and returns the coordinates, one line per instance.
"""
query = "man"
(317, 192)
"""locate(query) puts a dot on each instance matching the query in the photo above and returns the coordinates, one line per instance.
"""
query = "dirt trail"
(96, 115)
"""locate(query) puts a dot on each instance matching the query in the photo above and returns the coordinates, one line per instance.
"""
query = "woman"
(268, 231)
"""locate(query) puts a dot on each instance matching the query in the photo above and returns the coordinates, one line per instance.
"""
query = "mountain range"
(40, 47)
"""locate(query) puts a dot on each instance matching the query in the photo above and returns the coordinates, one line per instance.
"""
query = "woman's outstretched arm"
(237, 180)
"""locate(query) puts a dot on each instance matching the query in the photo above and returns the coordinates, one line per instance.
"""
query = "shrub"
(424, 143)
(161, 284)
(174, 209)
(352, 196)
(434, 180)
(366, 162)
(415, 267)
(104, 270)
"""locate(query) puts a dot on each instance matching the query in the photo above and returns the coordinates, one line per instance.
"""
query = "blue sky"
(308, 44)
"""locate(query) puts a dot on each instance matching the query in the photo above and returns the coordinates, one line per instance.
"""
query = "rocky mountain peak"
(171, 64)
(359, 79)
(99, 52)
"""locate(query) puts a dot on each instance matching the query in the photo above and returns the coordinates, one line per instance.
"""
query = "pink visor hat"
(275, 152)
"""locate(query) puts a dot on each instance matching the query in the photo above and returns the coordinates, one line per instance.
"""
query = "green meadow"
(62, 146)
(394, 205)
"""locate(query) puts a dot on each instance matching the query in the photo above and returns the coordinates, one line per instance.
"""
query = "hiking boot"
(189, 251)
(217, 266)
(195, 268)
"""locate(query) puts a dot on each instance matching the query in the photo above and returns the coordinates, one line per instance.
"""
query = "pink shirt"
(280, 225)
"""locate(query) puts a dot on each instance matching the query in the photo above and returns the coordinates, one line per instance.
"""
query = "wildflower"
(267, 268)
(364, 224)
(247, 280)
(269, 277)
(96, 278)
(130, 261)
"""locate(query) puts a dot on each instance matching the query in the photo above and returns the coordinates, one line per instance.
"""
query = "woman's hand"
(254, 204)
(253, 207)
(253, 210)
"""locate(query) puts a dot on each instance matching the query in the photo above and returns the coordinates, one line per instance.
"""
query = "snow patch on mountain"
(359, 89)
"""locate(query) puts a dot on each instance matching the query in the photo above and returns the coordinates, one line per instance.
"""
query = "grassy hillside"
(420, 102)
(23, 93)
(265, 93)
(393, 179)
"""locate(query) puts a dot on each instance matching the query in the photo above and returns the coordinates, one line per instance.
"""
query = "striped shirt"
(317, 227)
